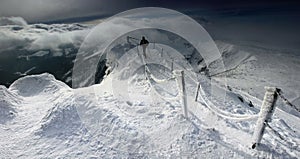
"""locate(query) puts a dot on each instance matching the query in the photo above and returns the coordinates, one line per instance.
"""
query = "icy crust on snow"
(43, 84)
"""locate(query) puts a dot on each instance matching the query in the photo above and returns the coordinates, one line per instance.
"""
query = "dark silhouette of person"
(144, 44)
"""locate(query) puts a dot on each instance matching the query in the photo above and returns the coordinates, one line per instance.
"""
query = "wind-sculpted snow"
(53, 120)
(36, 85)
(6, 94)
(62, 119)
(8, 103)
(42, 117)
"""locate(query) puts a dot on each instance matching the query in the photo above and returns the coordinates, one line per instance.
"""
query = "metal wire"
(286, 101)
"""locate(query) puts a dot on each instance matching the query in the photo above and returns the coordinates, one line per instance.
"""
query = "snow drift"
(44, 84)
(61, 119)
(42, 117)
(54, 120)
(8, 103)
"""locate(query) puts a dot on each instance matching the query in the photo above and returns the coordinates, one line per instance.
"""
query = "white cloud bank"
(12, 21)
(15, 34)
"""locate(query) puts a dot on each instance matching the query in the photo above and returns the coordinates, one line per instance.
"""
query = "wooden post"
(179, 74)
(197, 91)
(265, 114)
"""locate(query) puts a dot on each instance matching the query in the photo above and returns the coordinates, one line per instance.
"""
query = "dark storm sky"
(60, 10)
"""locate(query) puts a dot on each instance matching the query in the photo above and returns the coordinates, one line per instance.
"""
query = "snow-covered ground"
(137, 114)
(250, 68)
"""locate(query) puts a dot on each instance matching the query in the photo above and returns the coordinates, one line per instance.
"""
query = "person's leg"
(144, 49)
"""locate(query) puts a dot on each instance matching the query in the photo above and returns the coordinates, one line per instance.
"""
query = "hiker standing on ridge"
(144, 44)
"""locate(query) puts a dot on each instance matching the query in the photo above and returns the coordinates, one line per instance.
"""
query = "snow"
(53, 120)
(135, 111)
(7, 105)
(44, 84)
(253, 68)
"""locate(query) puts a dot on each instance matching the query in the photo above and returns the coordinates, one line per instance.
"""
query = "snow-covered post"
(179, 74)
(162, 52)
(265, 114)
(172, 65)
(197, 91)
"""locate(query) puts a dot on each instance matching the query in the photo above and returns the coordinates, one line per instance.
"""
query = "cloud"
(41, 37)
(47, 10)
(12, 21)
(35, 11)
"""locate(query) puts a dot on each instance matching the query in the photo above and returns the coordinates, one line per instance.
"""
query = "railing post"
(179, 74)
(172, 65)
(197, 91)
(265, 114)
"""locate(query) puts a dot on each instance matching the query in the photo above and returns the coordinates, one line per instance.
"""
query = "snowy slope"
(138, 119)
(136, 112)
(7, 104)
(250, 68)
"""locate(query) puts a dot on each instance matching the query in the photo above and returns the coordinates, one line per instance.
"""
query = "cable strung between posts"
(160, 80)
(274, 131)
(223, 113)
(218, 111)
(206, 101)
(287, 101)
(148, 74)
(289, 144)
(260, 101)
